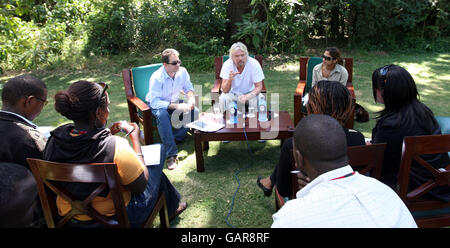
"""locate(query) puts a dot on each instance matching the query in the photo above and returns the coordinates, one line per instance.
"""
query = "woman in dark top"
(326, 97)
(86, 140)
(403, 115)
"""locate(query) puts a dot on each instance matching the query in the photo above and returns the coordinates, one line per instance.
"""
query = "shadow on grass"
(210, 193)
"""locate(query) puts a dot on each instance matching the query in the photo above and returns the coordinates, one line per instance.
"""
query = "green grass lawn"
(210, 194)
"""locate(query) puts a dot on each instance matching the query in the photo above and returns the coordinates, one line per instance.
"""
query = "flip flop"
(267, 192)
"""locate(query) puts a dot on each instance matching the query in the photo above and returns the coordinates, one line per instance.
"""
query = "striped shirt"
(353, 201)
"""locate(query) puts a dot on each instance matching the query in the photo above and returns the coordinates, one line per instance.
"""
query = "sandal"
(181, 207)
(267, 192)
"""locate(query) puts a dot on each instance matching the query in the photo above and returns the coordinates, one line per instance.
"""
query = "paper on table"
(151, 154)
(205, 125)
(45, 130)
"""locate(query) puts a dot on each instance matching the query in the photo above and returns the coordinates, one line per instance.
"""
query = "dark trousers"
(281, 175)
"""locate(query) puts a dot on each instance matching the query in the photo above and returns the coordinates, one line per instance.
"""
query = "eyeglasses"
(327, 58)
(42, 100)
(177, 62)
(105, 87)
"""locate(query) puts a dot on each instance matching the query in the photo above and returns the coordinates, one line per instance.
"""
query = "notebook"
(152, 154)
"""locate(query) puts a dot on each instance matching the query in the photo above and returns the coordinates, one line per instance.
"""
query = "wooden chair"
(444, 123)
(305, 83)
(102, 176)
(426, 212)
(366, 159)
(137, 81)
(217, 89)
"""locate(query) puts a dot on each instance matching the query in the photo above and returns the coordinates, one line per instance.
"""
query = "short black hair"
(22, 86)
(321, 140)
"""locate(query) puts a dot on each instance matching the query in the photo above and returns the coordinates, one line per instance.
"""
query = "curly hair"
(330, 98)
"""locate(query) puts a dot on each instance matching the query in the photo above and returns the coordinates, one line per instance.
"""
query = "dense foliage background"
(49, 33)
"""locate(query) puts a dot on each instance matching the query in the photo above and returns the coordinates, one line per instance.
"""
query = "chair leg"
(163, 214)
(161, 208)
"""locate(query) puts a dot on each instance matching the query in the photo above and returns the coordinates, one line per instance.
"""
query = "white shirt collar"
(166, 75)
(323, 178)
(23, 118)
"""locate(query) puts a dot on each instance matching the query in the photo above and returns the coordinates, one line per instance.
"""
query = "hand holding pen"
(127, 128)
(123, 126)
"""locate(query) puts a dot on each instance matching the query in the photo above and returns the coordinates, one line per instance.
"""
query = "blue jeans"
(168, 134)
(141, 205)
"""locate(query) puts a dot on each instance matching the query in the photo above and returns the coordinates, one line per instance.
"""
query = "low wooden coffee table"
(281, 127)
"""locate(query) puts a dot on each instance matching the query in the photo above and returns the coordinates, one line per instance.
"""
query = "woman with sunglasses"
(403, 115)
(331, 68)
(86, 140)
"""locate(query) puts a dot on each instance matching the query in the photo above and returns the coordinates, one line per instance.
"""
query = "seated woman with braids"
(326, 97)
(86, 140)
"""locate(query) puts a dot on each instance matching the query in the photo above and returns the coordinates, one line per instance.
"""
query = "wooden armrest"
(300, 88)
(351, 89)
(138, 103)
(263, 90)
(216, 87)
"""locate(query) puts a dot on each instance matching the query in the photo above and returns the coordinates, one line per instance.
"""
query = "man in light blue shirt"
(163, 97)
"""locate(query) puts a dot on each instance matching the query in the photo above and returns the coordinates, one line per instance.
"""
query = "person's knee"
(224, 100)
(161, 114)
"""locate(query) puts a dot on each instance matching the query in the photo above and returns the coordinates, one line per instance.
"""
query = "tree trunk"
(235, 10)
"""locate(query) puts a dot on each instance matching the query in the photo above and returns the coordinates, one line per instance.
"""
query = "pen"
(129, 132)
(295, 171)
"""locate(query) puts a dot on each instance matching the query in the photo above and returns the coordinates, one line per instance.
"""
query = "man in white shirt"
(336, 196)
(242, 77)
(163, 97)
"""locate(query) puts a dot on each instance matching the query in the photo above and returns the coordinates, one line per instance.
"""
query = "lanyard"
(349, 174)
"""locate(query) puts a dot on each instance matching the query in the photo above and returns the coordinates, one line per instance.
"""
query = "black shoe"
(267, 192)
(181, 207)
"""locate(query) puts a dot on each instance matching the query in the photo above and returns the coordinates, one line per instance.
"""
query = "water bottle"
(232, 110)
(274, 108)
(262, 108)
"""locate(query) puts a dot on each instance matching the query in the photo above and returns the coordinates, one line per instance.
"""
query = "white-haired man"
(242, 77)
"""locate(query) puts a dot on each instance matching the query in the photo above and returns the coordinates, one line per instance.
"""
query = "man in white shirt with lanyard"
(336, 196)
(242, 77)
(166, 84)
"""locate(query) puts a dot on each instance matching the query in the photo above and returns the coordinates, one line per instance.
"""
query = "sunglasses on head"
(384, 70)
(327, 58)
(175, 63)
(105, 87)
